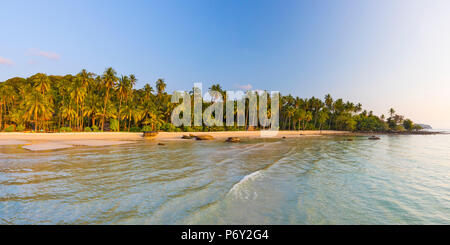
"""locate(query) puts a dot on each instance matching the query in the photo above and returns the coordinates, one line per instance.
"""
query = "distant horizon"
(381, 53)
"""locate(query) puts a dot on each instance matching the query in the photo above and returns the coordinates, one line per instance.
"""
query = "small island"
(86, 102)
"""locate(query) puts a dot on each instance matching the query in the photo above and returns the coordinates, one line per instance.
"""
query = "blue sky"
(382, 53)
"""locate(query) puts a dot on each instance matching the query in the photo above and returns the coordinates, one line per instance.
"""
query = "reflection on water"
(324, 180)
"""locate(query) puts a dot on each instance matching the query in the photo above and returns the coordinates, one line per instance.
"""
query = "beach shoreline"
(166, 135)
(178, 135)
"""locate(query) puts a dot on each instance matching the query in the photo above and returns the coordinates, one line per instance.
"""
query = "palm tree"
(301, 116)
(160, 86)
(37, 107)
(392, 112)
(68, 113)
(85, 77)
(78, 94)
(41, 83)
(308, 118)
(323, 117)
(109, 81)
(122, 90)
(290, 112)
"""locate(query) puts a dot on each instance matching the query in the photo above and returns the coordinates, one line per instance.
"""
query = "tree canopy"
(90, 102)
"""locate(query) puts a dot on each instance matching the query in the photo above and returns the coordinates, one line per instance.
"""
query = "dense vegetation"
(89, 102)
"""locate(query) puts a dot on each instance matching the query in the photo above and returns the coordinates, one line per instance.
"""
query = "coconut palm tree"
(37, 108)
(160, 86)
(41, 82)
(109, 80)
(392, 112)
(122, 91)
(77, 94)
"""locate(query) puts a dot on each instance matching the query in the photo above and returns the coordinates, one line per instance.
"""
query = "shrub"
(87, 129)
(146, 128)
(20, 128)
(168, 127)
(135, 129)
(408, 125)
(10, 128)
(65, 129)
(114, 125)
(95, 128)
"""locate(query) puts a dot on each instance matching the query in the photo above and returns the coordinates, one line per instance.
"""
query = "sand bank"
(71, 136)
(46, 146)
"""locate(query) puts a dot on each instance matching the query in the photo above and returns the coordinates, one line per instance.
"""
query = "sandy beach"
(55, 141)
(161, 135)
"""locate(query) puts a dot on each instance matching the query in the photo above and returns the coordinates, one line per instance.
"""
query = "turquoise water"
(321, 180)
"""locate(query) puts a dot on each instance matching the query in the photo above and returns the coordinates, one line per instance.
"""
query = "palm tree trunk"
(104, 109)
(120, 106)
(35, 120)
(1, 116)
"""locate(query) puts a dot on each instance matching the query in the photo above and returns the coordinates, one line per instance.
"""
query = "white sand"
(97, 142)
(13, 142)
(46, 146)
(71, 136)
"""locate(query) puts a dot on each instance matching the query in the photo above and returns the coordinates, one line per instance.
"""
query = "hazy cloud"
(45, 54)
(5, 61)
(244, 87)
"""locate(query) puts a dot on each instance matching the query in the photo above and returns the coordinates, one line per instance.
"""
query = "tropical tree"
(37, 108)
(109, 80)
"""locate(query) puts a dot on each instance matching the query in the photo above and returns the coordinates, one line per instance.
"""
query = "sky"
(381, 53)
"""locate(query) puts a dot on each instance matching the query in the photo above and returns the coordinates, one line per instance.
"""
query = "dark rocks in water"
(204, 137)
(284, 137)
(161, 144)
(192, 135)
(233, 139)
(348, 140)
(186, 137)
(374, 137)
(150, 134)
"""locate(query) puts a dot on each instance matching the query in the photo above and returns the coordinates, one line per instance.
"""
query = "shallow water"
(322, 180)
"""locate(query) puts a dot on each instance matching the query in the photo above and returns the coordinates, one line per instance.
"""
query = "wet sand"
(54, 141)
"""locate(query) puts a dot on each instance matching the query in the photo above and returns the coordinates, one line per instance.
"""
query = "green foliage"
(20, 128)
(146, 128)
(87, 129)
(135, 129)
(43, 102)
(408, 124)
(114, 125)
(168, 127)
(65, 129)
(10, 128)
(369, 123)
(345, 122)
